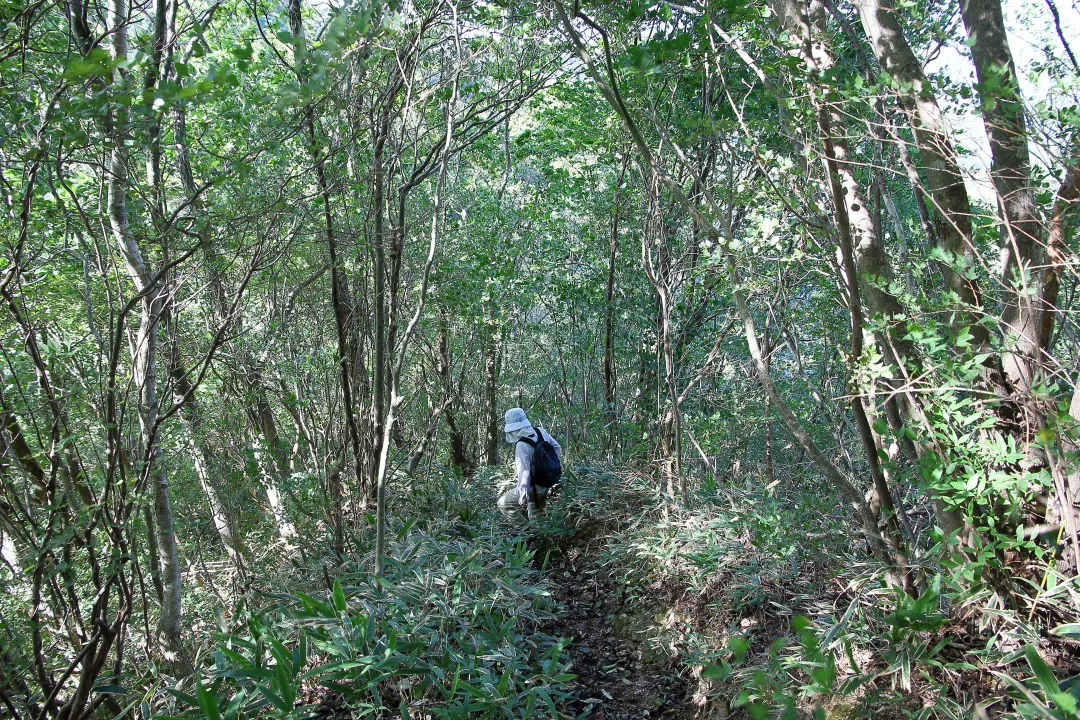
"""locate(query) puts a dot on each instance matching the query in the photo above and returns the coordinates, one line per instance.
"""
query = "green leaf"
(243, 52)
(236, 657)
(1069, 630)
(208, 702)
(96, 63)
(250, 673)
(739, 647)
(337, 667)
(716, 673)
(275, 699)
(1042, 671)
(315, 605)
(183, 697)
(339, 597)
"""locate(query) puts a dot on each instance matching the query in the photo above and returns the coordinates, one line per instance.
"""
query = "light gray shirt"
(523, 456)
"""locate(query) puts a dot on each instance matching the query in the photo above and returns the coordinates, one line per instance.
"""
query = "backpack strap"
(530, 441)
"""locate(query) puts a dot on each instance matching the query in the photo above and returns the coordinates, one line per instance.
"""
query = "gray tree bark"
(152, 302)
(1010, 170)
(938, 160)
(221, 514)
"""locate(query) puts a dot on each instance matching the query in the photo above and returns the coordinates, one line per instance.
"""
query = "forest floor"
(716, 612)
(621, 674)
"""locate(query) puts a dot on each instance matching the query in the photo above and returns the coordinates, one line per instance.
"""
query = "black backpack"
(546, 466)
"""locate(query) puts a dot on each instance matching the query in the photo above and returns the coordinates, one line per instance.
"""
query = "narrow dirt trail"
(619, 677)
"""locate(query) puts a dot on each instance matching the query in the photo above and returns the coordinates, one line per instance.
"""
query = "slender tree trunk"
(337, 290)
(191, 414)
(380, 373)
(671, 425)
(490, 424)
(395, 397)
(270, 454)
(426, 445)
(611, 409)
(834, 155)
(191, 421)
(850, 492)
(659, 272)
(459, 455)
(766, 354)
(145, 362)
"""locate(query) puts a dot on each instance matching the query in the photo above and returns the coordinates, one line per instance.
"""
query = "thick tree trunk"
(1057, 249)
(938, 160)
(1065, 467)
(1010, 170)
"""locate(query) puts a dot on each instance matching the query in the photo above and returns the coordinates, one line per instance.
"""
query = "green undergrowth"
(768, 600)
(760, 595)
(452, 631)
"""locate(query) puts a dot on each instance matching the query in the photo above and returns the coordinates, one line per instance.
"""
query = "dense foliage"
(794, 283)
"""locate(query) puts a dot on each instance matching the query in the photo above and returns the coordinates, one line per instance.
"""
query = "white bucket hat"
(515, 421)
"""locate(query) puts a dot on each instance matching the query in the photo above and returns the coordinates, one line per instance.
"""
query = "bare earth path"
(619, 675)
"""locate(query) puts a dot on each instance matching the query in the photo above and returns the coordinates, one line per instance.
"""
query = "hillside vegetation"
(793, 283)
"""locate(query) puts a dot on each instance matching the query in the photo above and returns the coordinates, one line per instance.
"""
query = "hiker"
(537, 466)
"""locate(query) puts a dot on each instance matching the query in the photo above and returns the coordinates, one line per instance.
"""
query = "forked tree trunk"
(938, 159)
(867, 257)
(459, 454)
(659, 272)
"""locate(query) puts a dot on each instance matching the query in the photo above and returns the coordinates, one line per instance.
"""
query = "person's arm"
(523, 466)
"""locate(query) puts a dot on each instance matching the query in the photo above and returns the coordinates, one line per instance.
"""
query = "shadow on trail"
(620, 675)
